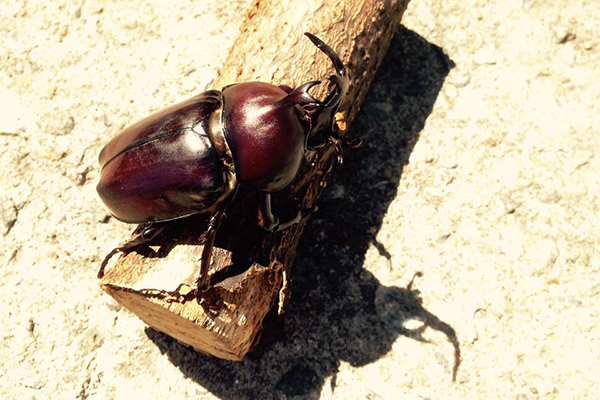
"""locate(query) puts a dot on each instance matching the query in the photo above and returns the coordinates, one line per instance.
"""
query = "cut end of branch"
(161, 293)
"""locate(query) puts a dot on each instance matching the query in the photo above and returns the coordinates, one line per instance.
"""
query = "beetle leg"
(143, 234)
(339, 150)
(202, 283)
(270, 222)
(266, 218)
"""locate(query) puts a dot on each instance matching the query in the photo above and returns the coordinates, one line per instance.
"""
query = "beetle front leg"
(202, 283)
(143, 234)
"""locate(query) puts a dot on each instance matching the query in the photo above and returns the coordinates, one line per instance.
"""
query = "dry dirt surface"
(461, 239)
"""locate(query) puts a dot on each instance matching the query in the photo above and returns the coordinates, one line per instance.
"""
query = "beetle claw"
(106, 260)
(337, 145)
(213, 307)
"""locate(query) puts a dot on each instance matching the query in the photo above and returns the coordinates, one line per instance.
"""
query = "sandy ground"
(477, 178)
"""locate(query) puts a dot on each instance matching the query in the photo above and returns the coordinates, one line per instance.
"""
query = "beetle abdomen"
(163, 167)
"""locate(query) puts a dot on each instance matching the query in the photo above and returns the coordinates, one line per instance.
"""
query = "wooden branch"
(251, 267)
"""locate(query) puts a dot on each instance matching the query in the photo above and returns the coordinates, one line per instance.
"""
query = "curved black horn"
(337, 63)
(322, 117)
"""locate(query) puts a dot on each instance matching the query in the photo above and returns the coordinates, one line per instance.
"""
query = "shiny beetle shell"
(267, 136)
(189, 158)
(165, 166)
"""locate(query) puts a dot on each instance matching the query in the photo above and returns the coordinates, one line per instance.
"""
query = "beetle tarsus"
(213, 307)
(105, 262)
(299, 217)
(339, 150)
(284, 225)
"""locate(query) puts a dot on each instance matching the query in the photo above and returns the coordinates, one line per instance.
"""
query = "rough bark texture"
(251, 267)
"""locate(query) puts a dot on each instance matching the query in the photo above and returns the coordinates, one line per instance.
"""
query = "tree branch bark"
(251, 267)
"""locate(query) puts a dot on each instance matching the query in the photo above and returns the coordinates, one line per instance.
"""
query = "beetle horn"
(337, 63)
(300, 95)
(322, 116)
(340, 81)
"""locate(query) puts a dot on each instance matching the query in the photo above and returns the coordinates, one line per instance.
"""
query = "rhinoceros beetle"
(190, 158)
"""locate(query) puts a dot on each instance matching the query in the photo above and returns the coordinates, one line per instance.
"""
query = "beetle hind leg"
(203, 281)
(143, 234)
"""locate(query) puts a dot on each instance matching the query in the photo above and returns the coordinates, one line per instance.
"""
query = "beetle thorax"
(267, 136)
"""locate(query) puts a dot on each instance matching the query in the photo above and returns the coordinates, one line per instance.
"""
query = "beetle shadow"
(338, 310)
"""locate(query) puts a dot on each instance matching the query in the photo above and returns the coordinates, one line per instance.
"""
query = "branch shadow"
(339, 311)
